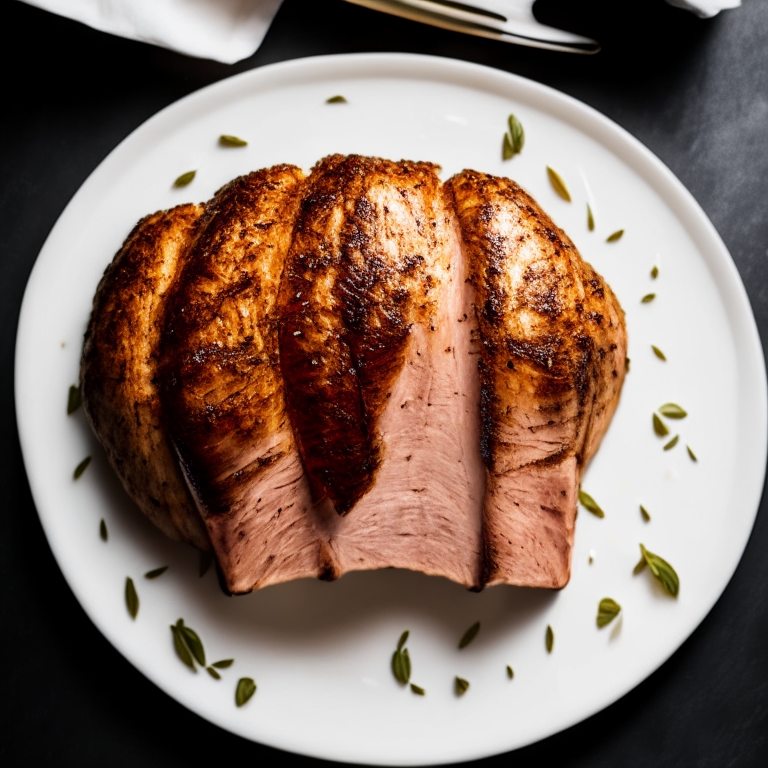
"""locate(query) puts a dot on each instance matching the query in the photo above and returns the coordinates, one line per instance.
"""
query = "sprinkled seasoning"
(558, 184)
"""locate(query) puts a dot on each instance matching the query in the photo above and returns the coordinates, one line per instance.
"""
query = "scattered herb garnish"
(655, 272)
(206, 560)
(672, 411)
(182, 651)
(640, 566)
(558, 184)
(103, 530)
(510, 672)
(461, 686)
(401, 666)
(336, 100)
(418, 690)
(231, 141)
(659, 427)
(213, 673)
(626, 365)
(469, 635)
(691, 453)
(672, 443)
(401, 661)
(612, 238)
(590, 504)
(513, 139)
(188, 645)
(80, 468)
(131, 598)
(156, 572)
(184, 179)
(648, 298)
(607, 611)
(663, 571)
(590, 219)
(74, 399)
(644, 513)
(223, 664)
(550, 639)
(658, 353)
(245, 689)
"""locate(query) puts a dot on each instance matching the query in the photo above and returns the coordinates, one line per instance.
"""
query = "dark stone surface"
(694, 91)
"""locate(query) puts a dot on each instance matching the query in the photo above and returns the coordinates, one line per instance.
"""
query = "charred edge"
(328, 570)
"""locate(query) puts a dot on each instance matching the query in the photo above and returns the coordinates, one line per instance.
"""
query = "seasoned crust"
(119, 365)
(358, 276)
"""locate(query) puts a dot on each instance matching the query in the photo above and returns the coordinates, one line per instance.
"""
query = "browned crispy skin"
(222, 388)
(553, 347)
(358, 276)
(119, 364)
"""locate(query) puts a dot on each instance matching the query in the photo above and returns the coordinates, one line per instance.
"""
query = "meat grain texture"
(359, 369)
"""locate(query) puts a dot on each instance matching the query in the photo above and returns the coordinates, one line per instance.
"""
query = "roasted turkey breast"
(359, 369)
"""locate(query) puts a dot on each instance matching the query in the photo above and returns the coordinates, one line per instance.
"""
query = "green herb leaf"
(659, 427)
(658, 353)
(336, 100)
(223, 664)
(510, 672)
(672, 411)
(590, 504)
(245, 689)
(607, 611)
(156, 572)
(131, 598)
(655, 272)
(507, 150)
(558, 184)
(74, 400)
(401, 666)
(469, 635)
(550, 639)
(80, 468)
(612, 238)
(590, 219)
(403, 639)
(672, 443)
(184, 179)
(181, 648)
(206, 560)
(213, 673)
(418, 690)
(193, 642)
(648, 298)
(461, 686)
(640, 567)
(103, 530)
(691, 453)
(517, 133)
(644, 513)
(663, 571)
(231, 141)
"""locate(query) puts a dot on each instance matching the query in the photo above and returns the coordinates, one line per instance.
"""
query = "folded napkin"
(705, 8)
(223, 30)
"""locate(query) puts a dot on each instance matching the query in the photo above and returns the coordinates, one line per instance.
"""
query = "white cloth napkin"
(705, 8)
(223, 30)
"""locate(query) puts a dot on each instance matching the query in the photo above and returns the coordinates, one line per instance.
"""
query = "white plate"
(320, 652)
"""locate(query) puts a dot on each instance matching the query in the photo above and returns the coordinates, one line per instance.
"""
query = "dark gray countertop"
(694, 91)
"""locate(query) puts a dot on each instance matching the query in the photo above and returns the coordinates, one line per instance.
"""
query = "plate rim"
(425, 67)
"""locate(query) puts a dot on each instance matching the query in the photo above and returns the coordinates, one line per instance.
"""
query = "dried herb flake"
(612, 238)
(672, 411)
(184, 179)
(131, 598)
(418, 690)
(245, 689)
(590, 504)
(80, 468)
(607, 611)
(672, 443)
(510, 672)
(649, 297)
(74, 399)
(558, 184)
(153, 574)
(659, 427)
(336, 100)
(550, 639)
(663, 571)
(469, 635)
(644, 513)
(461, 686)
(231, 141)
(658, 353)
(691, 453)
